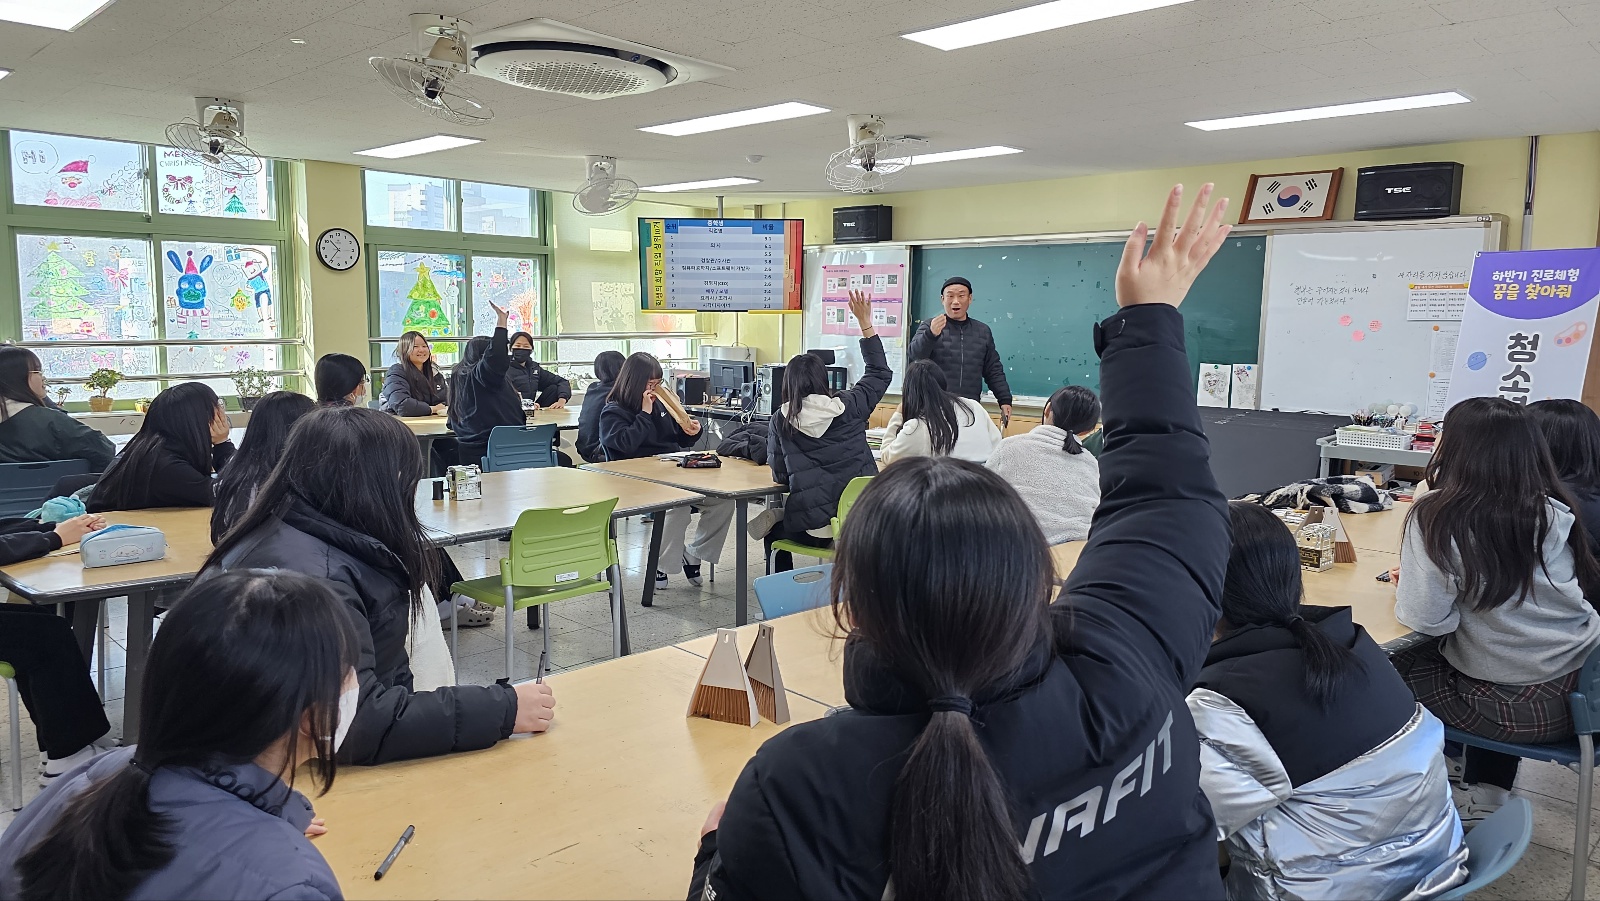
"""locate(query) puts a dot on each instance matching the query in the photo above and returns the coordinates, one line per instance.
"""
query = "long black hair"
(179, 422)
(337, 376)
(258, 453)
(359, 468)
(472, 351)
(945, 575)
(240, 663)
(419, 379)
(1075, 409)
(1263, 588)
(1485, 520)
(16, 365)
(637, 372)
(607, 364)
(805, 375)
(925, 395)
(1572, 431)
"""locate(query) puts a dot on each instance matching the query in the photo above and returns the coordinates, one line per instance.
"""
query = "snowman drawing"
(191, 290)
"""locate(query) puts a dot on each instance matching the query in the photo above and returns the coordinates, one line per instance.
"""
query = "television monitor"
(730, 377)
(720, 265)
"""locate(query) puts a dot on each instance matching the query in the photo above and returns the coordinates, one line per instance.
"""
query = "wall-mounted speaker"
(863, 224)
(1409, 191)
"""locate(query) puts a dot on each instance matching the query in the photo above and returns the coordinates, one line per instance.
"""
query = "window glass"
(82, 173)
(188, 188)
(511, 283)
(409, 201)
(65, 368)
(74, 287)
(496, 210)
(419, 292)
(215, 290)
(665, 349)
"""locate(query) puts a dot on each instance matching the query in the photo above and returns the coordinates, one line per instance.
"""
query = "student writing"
(32, 431)
(1057, 478)
(169, 462)
(933, 422)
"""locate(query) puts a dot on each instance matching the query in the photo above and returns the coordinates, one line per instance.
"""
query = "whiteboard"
(1356, 317)
(847, 349)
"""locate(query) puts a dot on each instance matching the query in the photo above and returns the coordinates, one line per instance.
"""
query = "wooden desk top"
(607, 804)
(810, 659)
(507, 494)
(1377, 531)
(439, 426)
(61, 576)
(735, 479)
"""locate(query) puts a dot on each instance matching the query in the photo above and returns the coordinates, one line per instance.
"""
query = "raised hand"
(861, 308)
(1176, 256)
(501, 315)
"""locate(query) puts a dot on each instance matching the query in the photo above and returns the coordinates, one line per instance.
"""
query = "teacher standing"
(963, 347)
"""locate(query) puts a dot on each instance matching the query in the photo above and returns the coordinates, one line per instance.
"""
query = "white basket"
(1347, 437)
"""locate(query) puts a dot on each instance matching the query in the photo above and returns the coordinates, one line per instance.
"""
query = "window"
(511, 283)
(420, 292)
(184, 187)
(496, 210)
(77, 173)
(410, 201)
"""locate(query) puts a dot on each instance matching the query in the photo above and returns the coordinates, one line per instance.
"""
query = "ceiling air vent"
(546, 55)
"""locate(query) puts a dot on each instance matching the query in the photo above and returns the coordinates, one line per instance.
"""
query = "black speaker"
(692, 388)
(863, 224)
(1409, 191)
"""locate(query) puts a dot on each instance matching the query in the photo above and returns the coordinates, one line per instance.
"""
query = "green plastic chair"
(554, 554)
(847, 499)
(8, 673)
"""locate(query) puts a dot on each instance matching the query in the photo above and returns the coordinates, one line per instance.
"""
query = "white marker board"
(1355, 317)
(846, 348)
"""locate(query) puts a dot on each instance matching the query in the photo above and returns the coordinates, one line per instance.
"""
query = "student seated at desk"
(534, 382)
(999, 745)
(481, 393)
(258, 452)
(1322, 769)
(1494, 562)
(817, 441)
(635, 423)
(169, 462)
(1573, 432)
(341, 381)
(1049, 467)
(606, 366)
(932, 422)
(34, 431)
(340, 507)
(250, 677)
(413, 384)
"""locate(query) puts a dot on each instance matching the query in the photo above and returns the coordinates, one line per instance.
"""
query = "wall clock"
(338, 249)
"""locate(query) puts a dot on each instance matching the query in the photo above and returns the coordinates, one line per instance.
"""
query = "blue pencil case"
(116, 545)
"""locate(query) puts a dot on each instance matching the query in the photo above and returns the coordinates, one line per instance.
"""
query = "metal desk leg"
(652, 560)
(141, 626)
(741, 603)
(620, 645)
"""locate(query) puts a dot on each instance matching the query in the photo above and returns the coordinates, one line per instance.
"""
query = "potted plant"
(61, 396)
(102, 381)
(251, 384)
(142, 405)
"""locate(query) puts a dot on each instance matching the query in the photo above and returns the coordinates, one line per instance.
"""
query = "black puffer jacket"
(965, 351)
(1092, 736)
(481, 397)
(588, 441)
(816, 467)
(402, 398)
(748, 442)
(538, 384)
(393, 722)
(625, 435)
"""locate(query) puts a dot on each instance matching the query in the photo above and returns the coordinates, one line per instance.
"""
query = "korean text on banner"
(1525, 331)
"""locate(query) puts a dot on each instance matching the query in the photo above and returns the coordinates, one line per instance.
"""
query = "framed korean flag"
(1291, 197)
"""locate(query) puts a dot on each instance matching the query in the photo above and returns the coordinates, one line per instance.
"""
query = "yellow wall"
(335, 311)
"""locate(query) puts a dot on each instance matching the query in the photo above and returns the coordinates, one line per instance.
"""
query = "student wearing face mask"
(254, 675)
(341, 381)
(532, 381)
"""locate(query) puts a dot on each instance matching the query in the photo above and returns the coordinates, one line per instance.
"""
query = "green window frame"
(156, 228)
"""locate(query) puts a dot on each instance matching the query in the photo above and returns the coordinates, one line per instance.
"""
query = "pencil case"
(116, 545)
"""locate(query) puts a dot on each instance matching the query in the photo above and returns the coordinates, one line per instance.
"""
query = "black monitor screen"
(731, 375)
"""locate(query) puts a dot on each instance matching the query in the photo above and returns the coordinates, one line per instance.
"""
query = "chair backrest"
(555, 546)
(1585, 698)
(24, 486)
(520, 447)
(1495, 845)
(847, 499)
(795, 591)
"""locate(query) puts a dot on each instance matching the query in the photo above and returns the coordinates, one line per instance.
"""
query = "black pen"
(398, 847)
(539, 674)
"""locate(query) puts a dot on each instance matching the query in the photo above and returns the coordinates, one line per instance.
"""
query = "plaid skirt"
(1517, 713)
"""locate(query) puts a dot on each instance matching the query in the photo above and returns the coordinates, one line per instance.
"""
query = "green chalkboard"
(1042, 301)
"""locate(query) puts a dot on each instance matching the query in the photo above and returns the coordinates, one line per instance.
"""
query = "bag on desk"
(115, 545)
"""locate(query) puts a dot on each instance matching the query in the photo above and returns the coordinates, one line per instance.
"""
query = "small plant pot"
(100, 404)
(248, 403)
(141, 406)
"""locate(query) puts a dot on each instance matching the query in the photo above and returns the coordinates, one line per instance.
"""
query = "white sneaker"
(765, 522)
(54, 767)
(1475, 802)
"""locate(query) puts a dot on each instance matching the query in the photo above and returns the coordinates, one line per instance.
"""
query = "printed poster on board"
(1526, 329)
(883, 283)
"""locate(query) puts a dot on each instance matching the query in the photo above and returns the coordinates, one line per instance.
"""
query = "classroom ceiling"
(1103, 96)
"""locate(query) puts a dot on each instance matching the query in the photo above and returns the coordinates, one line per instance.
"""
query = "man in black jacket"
(963, 347)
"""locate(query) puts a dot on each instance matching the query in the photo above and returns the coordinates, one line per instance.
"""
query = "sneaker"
(765, 522)
(691, 571)
(54, 767)
(475, 616)
(661, 580)
(1475, 802)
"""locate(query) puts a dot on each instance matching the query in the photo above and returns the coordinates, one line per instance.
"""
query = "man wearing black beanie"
(963, 347)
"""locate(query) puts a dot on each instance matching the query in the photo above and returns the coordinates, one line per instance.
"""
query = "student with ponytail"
(1322, 770)
(1057, 478)
(251, 676)
(1000, 745)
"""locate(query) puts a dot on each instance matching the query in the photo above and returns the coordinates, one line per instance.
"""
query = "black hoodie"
(482, 397)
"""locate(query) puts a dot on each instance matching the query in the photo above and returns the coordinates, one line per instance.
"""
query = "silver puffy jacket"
(1381, 826)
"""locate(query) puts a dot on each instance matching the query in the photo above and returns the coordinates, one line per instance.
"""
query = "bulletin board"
(829, 275)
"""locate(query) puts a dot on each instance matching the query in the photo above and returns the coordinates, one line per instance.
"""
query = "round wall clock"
(338, 249)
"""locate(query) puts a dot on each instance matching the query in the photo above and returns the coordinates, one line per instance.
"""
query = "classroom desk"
(810, 659)
(737, 480)
(1377, 531)
(607, 804)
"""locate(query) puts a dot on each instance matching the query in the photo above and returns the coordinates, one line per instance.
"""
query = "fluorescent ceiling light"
(1030, 20)
(420, 145)
(972, 153)
(773, 113)
(708, 183)
(1420, 101)
(62, 15)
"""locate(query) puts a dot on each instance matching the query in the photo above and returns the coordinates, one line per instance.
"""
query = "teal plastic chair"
(847, 499)
(10, 675)
(520, 447)
(795, 591)
(24, 486)
(1495, 846)
(554, 554)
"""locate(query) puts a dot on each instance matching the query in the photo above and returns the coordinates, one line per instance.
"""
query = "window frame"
(156, 228)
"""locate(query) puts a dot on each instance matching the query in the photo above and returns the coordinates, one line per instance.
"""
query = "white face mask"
(348, 702)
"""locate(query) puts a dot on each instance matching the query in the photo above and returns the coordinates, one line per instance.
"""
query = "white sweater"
(973, 442)
(1061, 489)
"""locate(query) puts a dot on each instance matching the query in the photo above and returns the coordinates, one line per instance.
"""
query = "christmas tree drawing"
(235, 206)
(59, 288)
(426, 314)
